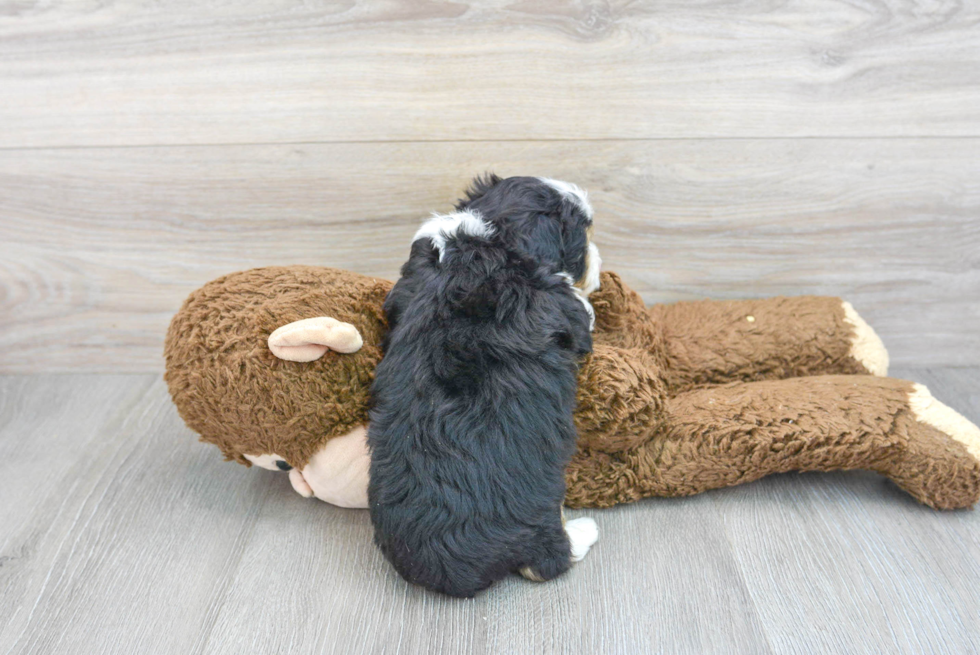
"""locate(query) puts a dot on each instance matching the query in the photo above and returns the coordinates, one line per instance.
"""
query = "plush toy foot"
(932, 412)
(307, 340)
(720, 436)
(718, 342)
(940, 466)
(866, 345)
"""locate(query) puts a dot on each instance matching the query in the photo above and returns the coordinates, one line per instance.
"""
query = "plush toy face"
(337, 473)
(277, 411)
(273, 462)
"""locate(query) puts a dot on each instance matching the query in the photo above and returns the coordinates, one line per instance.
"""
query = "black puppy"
(471, 426)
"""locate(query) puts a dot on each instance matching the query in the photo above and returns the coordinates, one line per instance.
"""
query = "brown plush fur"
(228, 386)
(711, 342)
(674, 400)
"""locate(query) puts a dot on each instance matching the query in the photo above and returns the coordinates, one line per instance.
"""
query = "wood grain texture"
(129, 72)
(855, 566)
(98, 247)
(107, 542)
(122, 533)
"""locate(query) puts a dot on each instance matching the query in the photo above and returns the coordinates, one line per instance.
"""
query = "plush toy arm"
(622, 320)
(725, 435)
(712, 342)
(622, 399)
(308, 339)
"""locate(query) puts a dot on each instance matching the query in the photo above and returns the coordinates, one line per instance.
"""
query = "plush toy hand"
(307, 340)
(300, 485)
(338, 472)
(620, 403)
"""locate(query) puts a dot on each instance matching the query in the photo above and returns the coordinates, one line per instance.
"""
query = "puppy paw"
(582, 534)
(531, 574)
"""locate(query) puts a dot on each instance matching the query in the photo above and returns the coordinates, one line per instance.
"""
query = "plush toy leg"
(307, 340)
(711, 342)
(727, 435)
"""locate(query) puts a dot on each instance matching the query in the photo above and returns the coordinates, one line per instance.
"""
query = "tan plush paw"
(307, 340)
(338, 473)
(300, 485)
(867, 347)
(945, 419)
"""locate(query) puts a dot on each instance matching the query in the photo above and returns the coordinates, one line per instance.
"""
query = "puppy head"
(440, 228)
(548, 219)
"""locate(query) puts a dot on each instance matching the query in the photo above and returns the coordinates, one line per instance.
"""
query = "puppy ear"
(540, 237)
(423, 259)
(478, 187)
(574, 239)
(576, 331)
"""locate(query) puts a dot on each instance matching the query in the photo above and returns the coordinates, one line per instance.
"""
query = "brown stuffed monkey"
(274, 366)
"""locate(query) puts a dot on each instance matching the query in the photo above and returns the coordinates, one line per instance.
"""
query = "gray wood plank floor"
(119, 533)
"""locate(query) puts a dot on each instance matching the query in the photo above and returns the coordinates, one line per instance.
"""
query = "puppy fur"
(471, 425)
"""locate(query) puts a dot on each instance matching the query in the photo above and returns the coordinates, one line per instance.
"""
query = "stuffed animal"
(274, 366)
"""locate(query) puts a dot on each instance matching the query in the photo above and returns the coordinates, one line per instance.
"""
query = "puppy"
(471, 426)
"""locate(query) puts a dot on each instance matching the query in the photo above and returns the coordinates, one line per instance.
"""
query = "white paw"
(582, 533)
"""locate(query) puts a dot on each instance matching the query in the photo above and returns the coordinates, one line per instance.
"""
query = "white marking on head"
(571, 191)
(590, 281)
(442, 227)
(583, 298)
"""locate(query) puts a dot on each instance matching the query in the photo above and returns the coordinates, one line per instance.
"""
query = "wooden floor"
(730, 150)
(122, 534)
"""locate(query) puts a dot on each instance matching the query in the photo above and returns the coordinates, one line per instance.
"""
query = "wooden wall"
(732, 149)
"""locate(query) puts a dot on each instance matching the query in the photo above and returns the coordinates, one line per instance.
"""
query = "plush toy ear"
(308, 339)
